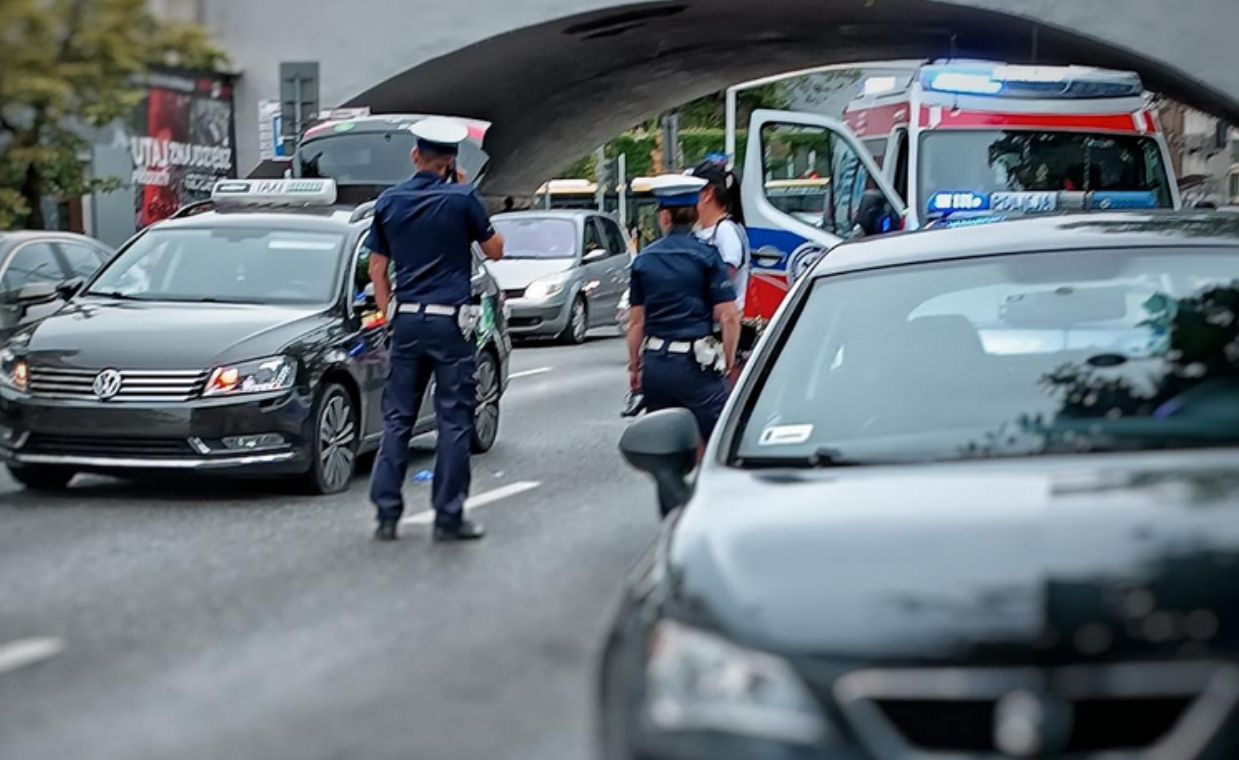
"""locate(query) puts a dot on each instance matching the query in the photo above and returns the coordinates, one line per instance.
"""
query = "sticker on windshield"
(785, 435)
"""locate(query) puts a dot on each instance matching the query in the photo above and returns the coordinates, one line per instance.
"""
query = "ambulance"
(939, 142)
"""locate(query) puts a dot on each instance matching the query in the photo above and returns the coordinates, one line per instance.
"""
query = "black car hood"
(92, 334)
(1097, 554)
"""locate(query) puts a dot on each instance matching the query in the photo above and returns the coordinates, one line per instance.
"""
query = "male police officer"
(426, 226)
(678, 292)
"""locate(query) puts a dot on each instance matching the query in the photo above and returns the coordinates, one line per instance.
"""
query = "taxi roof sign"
(274, 192)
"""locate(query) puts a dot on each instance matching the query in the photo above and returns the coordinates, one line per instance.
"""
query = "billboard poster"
(182, 140)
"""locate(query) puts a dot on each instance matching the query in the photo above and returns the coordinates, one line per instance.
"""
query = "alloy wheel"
(336, 435)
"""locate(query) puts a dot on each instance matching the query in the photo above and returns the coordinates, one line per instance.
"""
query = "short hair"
(682, 216)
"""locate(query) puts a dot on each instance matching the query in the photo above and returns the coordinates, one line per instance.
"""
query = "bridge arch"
(557, 83)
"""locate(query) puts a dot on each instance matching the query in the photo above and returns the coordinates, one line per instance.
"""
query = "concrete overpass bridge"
(558, 77)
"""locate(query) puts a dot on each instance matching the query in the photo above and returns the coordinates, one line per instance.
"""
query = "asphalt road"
(207, 619)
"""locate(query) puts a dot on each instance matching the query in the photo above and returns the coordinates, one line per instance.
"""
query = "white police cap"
(439, 134)
(677, 189)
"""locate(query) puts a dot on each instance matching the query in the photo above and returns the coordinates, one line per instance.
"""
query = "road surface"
(207, 619)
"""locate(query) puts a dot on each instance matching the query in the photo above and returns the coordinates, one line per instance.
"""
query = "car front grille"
(135, 385)
(1117, 712)
(106, 446)
(514, 293)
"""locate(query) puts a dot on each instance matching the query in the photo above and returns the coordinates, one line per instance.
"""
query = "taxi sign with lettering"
(275, 192)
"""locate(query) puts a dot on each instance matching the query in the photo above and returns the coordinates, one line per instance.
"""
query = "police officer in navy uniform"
(679, 291)
(426, 227)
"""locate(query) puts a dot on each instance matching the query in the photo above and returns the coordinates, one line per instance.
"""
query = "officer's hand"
(634, 380)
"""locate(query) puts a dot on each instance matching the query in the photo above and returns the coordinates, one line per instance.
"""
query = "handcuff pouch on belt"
(709, 354)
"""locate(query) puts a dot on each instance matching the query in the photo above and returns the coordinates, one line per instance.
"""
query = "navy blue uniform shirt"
(426, 226)
(679, 280)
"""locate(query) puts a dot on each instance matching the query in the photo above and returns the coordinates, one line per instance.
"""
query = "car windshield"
(373, 158)
(537, 238)
(238, 265)
(989, 162)
(1020, 355)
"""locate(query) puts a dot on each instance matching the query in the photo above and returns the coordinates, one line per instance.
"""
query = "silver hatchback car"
(563, 272)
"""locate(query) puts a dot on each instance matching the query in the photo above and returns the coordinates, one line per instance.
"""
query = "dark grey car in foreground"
(976, 496)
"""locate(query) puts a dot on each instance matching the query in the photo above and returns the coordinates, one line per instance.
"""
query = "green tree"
(66, 64)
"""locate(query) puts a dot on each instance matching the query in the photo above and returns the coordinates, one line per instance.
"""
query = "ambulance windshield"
(1027, 171)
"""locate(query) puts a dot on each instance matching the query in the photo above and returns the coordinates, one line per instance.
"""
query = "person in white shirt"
(721, 221)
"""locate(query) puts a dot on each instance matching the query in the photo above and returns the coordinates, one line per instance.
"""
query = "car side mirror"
(664, 445)
(596, 254)
(875, 216)
(767, 257)
(70, 288)
(35, 292)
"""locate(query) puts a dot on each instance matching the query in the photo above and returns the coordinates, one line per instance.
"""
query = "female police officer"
(426, 226)
(679, 290)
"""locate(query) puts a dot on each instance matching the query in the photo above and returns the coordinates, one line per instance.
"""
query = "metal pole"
(621, 188)
(298, 121)
(671, 142)
(600, 178)
(729, 145)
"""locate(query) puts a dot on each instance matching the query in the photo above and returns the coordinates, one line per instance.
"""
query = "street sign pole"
(600, 178)
(621, 187)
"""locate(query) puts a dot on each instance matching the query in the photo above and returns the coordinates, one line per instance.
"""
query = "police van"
(939, 141)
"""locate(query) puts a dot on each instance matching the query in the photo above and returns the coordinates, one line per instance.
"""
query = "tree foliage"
(67, 64)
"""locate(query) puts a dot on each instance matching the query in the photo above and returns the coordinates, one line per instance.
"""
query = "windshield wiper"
(824, 457)
(115, 294)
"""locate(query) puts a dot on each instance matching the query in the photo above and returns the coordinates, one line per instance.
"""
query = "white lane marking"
(18, 654)
(530, 372)
(481, 500)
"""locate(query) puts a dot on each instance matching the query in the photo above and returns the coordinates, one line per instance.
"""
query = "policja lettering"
(426, 227)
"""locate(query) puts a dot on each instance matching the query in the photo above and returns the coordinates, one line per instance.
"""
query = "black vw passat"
(238, 337)
(977, 496)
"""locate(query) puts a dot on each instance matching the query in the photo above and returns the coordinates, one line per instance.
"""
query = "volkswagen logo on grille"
(107, 384)
(1030, 724)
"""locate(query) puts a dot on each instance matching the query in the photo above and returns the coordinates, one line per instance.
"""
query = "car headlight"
(14, 372)
(698, 681)
(260, 376)
(546, 287)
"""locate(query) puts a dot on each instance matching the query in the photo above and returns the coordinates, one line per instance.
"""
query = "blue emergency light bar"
(968, 203)
(274, 192)
(1013, 81)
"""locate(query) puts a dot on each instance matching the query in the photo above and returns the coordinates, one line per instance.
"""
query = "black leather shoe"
(465, 530)
(386, 531)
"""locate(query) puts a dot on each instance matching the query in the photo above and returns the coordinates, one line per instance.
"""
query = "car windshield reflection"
(1043, 353)
(219, 265)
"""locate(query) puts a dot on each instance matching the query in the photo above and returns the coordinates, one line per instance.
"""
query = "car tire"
(333, 442)
(578, 323)
(486, 415)
(42, 477)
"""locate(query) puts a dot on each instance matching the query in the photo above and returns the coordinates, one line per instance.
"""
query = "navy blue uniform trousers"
(677, 381)
(425, 345)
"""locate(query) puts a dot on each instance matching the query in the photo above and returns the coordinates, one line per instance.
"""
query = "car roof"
(336, 218)
(1033, 234)
(391, 122)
